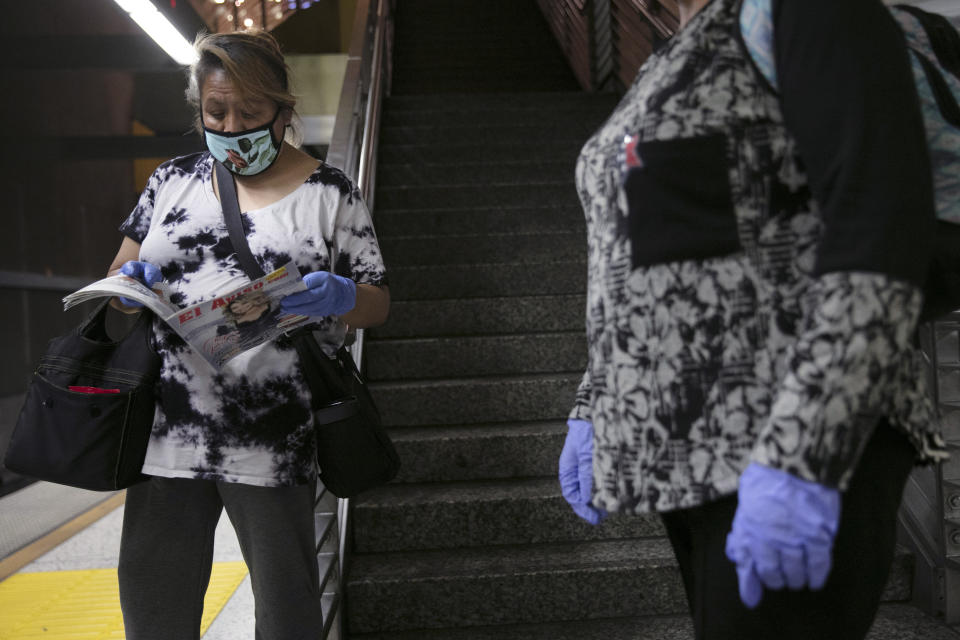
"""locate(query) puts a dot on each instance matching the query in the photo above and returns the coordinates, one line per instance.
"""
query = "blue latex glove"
(148, 274)
(326, 295)
(576, 471)
(782, 532)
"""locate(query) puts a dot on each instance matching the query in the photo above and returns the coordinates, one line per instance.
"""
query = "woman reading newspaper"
(240, 438)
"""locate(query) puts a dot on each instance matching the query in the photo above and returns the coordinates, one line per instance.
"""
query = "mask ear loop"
(283, 134)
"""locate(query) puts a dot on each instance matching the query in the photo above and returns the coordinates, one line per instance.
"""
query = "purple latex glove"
(147, 274)
(576, 471)
(326, 295)
(782, 532)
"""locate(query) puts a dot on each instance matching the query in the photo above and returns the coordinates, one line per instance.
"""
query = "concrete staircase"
(476, 369)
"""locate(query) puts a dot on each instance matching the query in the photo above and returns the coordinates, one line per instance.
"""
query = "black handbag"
(87, 415)
(354, 452)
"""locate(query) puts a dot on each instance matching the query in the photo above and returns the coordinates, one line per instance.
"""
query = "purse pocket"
(91, 441)
(679, 202)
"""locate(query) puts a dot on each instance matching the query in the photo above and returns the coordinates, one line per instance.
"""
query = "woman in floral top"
(756, 258)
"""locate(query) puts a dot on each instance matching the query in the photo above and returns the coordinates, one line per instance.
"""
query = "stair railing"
(929, 519)
(353, 150)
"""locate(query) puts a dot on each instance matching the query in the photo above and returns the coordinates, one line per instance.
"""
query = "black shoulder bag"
(88, 412)
(354, 452)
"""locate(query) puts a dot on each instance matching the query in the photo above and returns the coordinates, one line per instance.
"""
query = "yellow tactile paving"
(85, 605)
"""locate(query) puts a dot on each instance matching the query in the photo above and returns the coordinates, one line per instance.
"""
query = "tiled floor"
(97, 547)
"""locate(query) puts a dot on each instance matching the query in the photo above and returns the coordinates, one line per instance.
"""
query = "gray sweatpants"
(166, 555)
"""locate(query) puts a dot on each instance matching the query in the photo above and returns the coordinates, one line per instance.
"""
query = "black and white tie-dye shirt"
(250, 423)
(755, 260)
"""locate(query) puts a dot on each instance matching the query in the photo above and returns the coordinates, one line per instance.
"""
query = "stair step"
(499, 64)
(467, 104)
(476, 400)
(487, 280)
(479, 513)
(539, 219)
(523, 248)
(482, 316)
(893, 622)
(513, 584)
(671, 627)
(477, 452)
(531, 134)
(497, 85)
(472, 173)
(543, 583)
(476, 150)
(557, 193)
(424, 83)
(593, 112)
(461, 356)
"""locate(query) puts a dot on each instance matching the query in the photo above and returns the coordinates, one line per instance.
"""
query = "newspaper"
(222, 327)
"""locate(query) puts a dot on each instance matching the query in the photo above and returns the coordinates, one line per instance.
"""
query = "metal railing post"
(353, 149)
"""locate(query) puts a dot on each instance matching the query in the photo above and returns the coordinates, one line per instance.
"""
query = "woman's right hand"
(576, 471)
(145, 273)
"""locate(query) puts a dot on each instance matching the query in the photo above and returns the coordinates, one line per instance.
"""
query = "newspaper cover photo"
(222, 327)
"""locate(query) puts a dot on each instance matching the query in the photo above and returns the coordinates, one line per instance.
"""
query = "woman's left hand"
(326, 295)
(782, 533)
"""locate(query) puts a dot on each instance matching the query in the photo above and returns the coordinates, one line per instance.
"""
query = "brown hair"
(252, 61)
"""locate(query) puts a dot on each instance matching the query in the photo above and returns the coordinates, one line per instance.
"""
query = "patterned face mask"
(246, 153)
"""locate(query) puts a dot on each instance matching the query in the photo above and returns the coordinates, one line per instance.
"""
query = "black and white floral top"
(251, 422)
(755, 261)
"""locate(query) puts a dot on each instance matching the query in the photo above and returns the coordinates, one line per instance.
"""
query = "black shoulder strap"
(320, 371)
(946, 101)
(943, 37)
(231, 216)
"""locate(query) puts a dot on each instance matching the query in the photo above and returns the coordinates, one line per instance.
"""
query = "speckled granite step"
(561, 106)
(471, 196)
(513, 584)
(542, 583)
(475, 452)
(487, 280)
(416, 358)
(486, 173)
(528, 133)
(893, 622)
(478, 150)
(468, 104)
(476, 400)
(482, 316)
(523, 248)
(409, 517)
(538, 218)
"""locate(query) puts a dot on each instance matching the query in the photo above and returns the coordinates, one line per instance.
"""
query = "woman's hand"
(782, 533)
(576, 471)
(145, 273)
(326, 295)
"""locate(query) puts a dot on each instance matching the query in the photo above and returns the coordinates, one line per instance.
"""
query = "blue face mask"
(246, 153)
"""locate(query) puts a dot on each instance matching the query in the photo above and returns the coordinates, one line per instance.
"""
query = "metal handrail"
(353, 149)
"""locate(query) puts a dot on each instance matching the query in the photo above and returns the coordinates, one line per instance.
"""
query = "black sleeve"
(848, 98)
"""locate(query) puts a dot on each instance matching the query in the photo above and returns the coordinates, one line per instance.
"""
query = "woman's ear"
(286, 116)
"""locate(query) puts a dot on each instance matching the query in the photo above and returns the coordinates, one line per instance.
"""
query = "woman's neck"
(688, 9)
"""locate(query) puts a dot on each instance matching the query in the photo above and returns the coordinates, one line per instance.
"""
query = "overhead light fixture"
(156, 25)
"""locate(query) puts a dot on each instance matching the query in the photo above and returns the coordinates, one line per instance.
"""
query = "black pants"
(166, 556)
(863, 552)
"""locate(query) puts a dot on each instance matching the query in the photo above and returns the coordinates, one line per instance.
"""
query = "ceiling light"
(248, 23)
(156, 25)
